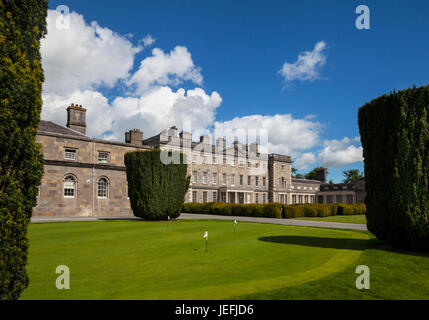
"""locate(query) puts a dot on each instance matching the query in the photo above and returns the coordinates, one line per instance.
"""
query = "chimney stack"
(76, 118)
(134, 136)
(322, 175)
(221, 143)
(205, 139)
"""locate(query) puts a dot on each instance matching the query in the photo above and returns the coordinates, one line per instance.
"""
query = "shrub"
(238, 209)
(299, 211)
(288, 212)
(258, 210)
(322, 210)
(345, 210)
(395, 139)
(272, 210)
(22, 25)
(222, 209)
(156, 190)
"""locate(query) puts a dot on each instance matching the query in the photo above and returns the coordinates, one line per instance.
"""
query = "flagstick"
(206, 236)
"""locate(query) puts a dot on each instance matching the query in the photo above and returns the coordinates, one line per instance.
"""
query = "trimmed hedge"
(395, 138)
(156, 190)
(22, 25)
(274, 210)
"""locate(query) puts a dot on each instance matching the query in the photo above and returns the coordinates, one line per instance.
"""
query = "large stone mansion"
(86, 177)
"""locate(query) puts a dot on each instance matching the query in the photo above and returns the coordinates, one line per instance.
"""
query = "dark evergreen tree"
(395, 138)
(156, 190)
(352, 175)
(312, 175)
(22, 25)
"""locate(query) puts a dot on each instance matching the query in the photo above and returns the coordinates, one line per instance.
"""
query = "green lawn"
(359, 219)
(157, 260)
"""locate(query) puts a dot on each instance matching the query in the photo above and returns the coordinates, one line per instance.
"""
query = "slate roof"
(48, 126)
(306, 181)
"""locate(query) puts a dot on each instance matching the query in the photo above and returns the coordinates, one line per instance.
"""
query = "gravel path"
(286, 222)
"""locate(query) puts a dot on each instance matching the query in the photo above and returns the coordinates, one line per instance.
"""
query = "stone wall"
(87, 169)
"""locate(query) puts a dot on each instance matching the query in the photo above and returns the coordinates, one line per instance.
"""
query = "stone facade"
(235, 174)
(86, 177)
(350, 193)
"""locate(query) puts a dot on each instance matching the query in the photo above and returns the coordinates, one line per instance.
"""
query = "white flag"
(235, 222)
(168, 218)
(206, 235)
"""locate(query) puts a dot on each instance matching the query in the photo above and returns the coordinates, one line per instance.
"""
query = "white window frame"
(70, 151)
(102, 160)
(74, 187)
(107, 188)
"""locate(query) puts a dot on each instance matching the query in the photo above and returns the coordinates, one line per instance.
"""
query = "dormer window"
(70, 154)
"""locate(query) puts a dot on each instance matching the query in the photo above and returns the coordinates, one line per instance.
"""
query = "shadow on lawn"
(332, 243)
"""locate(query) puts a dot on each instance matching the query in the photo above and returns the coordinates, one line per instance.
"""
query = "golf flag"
(235, 224)
(168, 218)
(206, 236)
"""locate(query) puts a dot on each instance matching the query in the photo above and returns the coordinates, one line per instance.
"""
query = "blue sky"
(240, 46)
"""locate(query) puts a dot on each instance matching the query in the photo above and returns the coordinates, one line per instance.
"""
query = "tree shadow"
(386, 247)
(341, 243)
(331, 243)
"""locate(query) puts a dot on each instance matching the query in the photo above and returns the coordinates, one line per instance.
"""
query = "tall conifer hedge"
(156, 190)
(395, 138)
(22, 25)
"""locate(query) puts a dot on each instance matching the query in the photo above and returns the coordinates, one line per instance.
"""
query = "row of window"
(339, 198)
(208, 196)
(298, 199)
(282, 182)
(70, 187)
(214, 177)
(72, 154)
(215, 160)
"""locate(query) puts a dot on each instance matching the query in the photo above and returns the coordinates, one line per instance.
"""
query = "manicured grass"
(358, 219)
(157, 260)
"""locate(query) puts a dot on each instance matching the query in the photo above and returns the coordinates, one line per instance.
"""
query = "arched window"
(70, 183)
(103, 188)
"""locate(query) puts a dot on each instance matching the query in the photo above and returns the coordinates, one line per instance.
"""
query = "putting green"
(158, 260)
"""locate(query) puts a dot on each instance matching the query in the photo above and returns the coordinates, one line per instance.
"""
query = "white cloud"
(306, 68)
(303, 162)
(84, 56)
(338, 153)
(166, 69)
(286, 135)
(162, 108)
(78, 60)
(158, 109)
(99, 113)
(148, 40)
